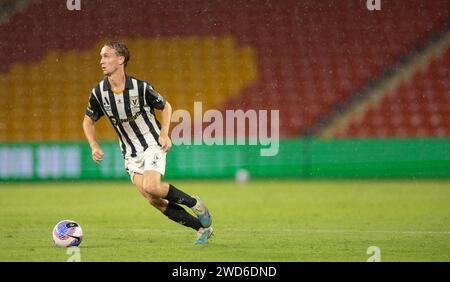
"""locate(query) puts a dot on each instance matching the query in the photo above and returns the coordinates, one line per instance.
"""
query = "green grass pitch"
(265, 221)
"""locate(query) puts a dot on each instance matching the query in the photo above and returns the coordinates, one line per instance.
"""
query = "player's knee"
(152, 188)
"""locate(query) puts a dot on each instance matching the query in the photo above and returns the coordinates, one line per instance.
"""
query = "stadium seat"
(301, 57)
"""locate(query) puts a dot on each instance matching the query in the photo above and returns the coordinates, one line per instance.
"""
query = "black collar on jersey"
(128, 83)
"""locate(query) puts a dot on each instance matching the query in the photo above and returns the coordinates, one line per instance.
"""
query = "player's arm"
(93, 113)
(166, 115)
(156, 101)
(89, 132)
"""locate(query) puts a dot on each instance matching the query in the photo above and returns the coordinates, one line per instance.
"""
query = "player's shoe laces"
(202, 212)
(203, 234)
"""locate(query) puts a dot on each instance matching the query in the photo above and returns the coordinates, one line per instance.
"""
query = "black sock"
(177, 196)
(181, 216)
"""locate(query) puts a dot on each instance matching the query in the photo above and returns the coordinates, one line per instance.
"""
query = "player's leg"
(135, 167)
(158, 203)
(171, 210)
(153, 186)
(198, 207)
(154, 168)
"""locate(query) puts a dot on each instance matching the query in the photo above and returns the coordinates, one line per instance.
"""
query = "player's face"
(110, 61)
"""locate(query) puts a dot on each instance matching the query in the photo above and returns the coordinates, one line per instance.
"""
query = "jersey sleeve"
(153, 98)
(93, 110)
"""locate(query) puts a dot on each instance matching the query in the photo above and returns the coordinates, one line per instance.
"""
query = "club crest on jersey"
(134, 102)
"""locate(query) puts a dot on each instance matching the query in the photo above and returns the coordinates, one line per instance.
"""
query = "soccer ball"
(242, 176)
(67, 233)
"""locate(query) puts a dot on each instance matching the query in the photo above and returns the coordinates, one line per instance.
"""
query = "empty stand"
(47, 99)
(419, 107)
(301, 57)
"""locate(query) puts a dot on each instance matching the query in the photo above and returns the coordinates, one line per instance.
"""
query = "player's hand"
(165, 142)
(97, 153)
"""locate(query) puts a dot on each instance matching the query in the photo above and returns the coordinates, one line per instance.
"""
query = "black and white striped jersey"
(131, 113)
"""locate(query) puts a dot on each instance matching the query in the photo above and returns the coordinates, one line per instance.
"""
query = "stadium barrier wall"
(302, 158)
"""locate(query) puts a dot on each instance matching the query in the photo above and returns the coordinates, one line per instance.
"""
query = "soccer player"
(129, 104)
